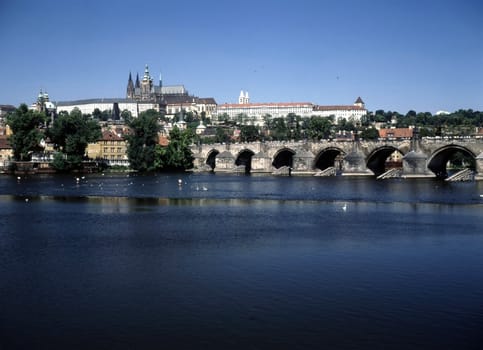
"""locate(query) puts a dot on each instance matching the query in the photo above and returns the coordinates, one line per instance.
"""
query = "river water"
(240, 262)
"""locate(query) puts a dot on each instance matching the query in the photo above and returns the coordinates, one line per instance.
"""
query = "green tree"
(26, 137)
(249, 133)
(126, 115)
(319, 128)
(143, 140)
(97, 114)
(222, 135)
(369, 134)
(177, 155)
(278, 129)
(70, 134)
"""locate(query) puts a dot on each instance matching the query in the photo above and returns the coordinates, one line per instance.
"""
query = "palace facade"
(256, 112)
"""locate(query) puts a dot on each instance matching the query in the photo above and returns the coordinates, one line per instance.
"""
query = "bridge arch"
(211, 158)
(377, 159)
(438, 161)
(329, 157)
(244, 158)
(283, 157)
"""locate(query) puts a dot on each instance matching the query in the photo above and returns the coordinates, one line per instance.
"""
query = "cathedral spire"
(130, 87)
(146, 74)
(138, 84)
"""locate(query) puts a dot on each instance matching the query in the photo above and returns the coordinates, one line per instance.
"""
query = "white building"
(348, 112)
(255, 112)
(108, 104)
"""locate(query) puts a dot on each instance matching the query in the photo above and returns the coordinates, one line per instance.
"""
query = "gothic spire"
(130, 87)
(138, 84)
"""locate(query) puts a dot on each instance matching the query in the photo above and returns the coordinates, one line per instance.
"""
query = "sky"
(397, 55)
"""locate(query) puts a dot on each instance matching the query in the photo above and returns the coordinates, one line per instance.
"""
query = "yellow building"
(110, 148)
(6, 152)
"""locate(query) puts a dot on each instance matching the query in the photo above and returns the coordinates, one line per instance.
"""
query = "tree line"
(70, 133)
(295, 127)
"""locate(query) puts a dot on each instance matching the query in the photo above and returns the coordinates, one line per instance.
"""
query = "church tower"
(138, 84)
(130, 87)
(146, 85)
(359, 103)
(243, 99)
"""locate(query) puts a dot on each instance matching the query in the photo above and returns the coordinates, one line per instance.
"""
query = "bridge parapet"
(424, 157)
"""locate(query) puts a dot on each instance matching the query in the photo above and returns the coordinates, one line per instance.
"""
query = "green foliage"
(26, 137)
(319, 128)
(71, 133)
(59, 163)
(126, 115)
(222, 135)
(369, 134)
(177, 155)
(278, 129)
(249, 133)
(142, 142)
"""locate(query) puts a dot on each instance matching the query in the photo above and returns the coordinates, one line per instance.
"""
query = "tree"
(143, 140)
(71, 134)
(319, 128)
(177, 155)
(249, 133)
(369, 134)
(126, 115)
(26, 137)
(279, 129)
(222, 135)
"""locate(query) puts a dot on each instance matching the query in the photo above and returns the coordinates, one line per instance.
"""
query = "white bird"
(344, 207)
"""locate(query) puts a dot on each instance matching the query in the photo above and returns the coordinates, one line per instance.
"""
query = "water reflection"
(252, 262)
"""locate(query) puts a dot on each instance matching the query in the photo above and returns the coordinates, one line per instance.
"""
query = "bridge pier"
(302, 162)
(415, 165)
(225, 162)
(354, 163)
(261, 163)
(479, 167)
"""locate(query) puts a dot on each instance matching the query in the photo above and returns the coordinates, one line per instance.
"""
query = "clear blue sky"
(425, 55)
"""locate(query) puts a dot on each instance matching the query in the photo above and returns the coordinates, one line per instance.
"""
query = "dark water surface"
(240, 262)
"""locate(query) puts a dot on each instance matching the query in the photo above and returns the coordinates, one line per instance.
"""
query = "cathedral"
(144, 90)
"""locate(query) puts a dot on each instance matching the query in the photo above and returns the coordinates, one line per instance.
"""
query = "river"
(204, 261)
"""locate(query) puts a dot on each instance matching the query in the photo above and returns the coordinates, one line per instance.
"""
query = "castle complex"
(144, 94)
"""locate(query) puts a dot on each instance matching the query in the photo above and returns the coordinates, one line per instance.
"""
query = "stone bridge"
(420, 157)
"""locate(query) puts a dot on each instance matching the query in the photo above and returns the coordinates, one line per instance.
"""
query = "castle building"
(142, 95)
(255, 112)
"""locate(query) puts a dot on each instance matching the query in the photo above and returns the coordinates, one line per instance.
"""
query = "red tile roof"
(268, 104)
(110, 136)
(397, 133)
(339, 108)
